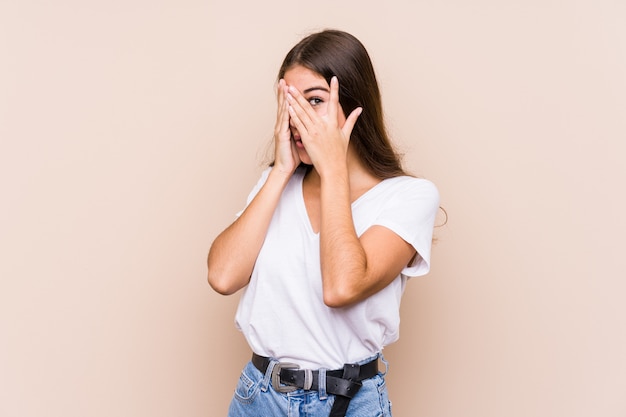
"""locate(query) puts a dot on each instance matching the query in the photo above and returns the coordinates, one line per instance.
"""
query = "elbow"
(338, 297)
(221, 285)
(220, 278)
(226, 279)
(343, 288)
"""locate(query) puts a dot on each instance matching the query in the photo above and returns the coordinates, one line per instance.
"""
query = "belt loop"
(308, 379)
(267, 379)
(382, 358)
(321, 383)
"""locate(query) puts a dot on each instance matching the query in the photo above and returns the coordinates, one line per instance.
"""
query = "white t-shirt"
(282, 313)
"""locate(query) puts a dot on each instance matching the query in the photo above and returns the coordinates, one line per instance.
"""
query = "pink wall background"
(131, 132)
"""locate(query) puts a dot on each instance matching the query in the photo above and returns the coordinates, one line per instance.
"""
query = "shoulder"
(401, 199)
(407, 187)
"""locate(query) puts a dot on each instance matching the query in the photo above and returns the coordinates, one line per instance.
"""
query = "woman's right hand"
(286, 158)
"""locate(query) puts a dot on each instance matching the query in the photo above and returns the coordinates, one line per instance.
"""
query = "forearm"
(343, 259)
(233, 253)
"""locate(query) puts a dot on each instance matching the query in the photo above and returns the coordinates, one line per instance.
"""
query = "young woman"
(326, 243)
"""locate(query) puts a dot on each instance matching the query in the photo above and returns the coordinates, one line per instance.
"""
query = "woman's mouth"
(298, 141)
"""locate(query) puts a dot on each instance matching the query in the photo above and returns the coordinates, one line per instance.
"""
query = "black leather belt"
(344, 383)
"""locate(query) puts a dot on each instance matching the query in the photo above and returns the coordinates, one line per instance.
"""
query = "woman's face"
(316, 90)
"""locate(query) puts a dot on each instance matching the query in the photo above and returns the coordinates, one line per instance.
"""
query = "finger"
(333, 104)
(280, 98)
(280, 92)
(351, 121)
(279, 88)
(297, 100)
(297, 121)
(294, 152)
(296, 111)
(283, 123)
(282, 115)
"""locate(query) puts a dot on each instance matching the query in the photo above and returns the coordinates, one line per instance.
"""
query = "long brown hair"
(336, 53)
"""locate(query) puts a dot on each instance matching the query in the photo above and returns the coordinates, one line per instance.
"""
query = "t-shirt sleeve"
(256, 188)
(410, 212)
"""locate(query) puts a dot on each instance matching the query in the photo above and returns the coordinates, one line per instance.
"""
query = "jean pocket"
(383, 396)
(371, 400)
(247, 388)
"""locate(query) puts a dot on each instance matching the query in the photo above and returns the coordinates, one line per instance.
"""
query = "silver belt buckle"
(276, 377)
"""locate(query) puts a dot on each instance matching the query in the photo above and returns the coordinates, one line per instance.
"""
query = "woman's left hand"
(324, 139)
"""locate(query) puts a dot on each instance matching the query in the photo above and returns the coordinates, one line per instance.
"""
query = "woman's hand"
(325, 137)
(285, 153)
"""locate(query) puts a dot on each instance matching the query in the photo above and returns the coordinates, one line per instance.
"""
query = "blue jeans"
(255, 397)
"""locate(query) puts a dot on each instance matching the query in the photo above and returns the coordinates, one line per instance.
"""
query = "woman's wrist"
(334, 173)
(280, 175)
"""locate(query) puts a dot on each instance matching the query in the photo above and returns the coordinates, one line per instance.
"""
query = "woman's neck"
(359, 178)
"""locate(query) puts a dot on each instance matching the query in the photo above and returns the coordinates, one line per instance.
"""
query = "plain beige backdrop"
(132, 130)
